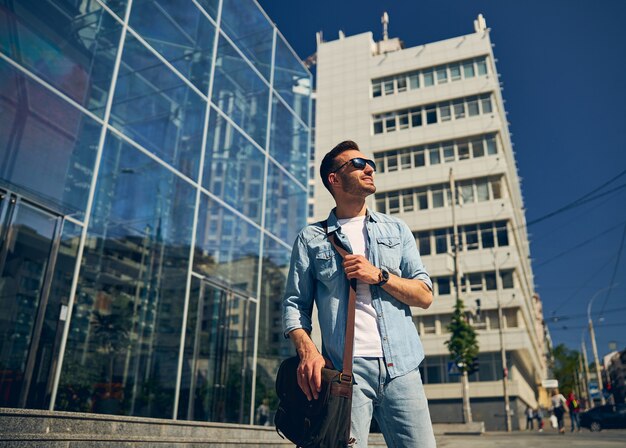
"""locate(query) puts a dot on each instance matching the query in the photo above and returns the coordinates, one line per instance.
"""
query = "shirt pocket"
(390, 252)
(326, 264)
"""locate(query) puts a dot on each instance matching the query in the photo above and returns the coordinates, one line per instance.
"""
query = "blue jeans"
(575, 420)
(399, 406)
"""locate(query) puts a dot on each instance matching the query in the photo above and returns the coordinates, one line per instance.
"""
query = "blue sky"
(563, 65)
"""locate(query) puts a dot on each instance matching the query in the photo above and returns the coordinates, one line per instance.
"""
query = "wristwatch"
(383, 277)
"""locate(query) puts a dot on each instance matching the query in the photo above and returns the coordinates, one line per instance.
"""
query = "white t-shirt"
(367, 341)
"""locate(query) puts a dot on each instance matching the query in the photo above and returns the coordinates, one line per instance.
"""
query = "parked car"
(604, 417)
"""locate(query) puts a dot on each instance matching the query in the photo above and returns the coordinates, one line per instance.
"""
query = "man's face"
(353, 181)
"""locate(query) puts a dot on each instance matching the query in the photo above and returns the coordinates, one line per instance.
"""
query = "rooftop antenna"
(385, 21)
(480, 24)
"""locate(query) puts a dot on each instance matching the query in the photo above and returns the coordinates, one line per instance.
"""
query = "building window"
(428, 325)
(507, 279)
(443, 286)
(431, 76)
(423, 243)
(440, 112)
(468, 191)
(431, 114)
(475, 281)
(429, 79)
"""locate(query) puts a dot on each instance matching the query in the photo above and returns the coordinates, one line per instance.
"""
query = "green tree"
(565, 367)
(463, 344)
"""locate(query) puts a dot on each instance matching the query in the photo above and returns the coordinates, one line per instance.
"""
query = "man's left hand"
(357, 266)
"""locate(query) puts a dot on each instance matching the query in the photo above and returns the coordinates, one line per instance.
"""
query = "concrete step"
(31, 428)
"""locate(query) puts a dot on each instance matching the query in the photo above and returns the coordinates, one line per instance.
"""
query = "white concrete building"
(420, 112)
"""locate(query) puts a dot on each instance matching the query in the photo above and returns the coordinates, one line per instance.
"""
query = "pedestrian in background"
(558, 407)
(529, 418)
(574, 409)
(539, 417)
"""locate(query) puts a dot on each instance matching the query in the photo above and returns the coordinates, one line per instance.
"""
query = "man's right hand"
(310, 374)
(311, 364)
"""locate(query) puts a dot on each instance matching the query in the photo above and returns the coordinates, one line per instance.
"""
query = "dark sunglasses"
(359, 163)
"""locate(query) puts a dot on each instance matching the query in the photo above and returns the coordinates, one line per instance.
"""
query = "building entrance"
(31, 319)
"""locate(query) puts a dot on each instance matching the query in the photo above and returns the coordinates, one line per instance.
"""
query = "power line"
(612, 282)
(593, 238)
(577, 203)
(555, 319)
(582, 327)
(583, 284)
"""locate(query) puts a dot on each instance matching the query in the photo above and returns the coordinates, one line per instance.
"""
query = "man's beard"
(353, 186)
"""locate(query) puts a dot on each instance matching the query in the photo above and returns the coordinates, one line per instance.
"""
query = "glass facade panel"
(291, 80)
(227, 247)
(181, 33)
(47, 350)
(122, 352)
(218, 358)
(125, 328)
(285, 205)
(239, 92)
(47, 147)
(289, 141)
(71, 45)
(273, 347)
(249, 29)
(210, 6)
(233, 168)
(28, 239)
(157, 109)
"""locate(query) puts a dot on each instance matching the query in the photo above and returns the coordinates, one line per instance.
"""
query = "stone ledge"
(474, 428)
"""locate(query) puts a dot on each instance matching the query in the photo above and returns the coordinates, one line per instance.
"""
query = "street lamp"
(592, 334)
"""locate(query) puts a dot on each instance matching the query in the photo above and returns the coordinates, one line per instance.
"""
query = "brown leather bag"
(325, 422)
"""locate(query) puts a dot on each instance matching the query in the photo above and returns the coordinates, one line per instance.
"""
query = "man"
(390, 277)
(574, 411)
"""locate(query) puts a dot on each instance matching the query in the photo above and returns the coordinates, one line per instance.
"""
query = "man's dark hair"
(329, 164)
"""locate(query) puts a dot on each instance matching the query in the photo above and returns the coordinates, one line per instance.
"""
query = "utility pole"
(597, 362)
(505, 370)
(592, 334)
(584, 385)
(587, 377)
(467, 410)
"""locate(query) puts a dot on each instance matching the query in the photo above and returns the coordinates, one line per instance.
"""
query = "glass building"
(153, 176)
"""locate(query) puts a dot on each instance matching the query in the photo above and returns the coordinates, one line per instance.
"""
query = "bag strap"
(348, 349)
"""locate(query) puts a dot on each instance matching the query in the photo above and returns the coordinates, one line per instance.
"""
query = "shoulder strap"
(348, 349)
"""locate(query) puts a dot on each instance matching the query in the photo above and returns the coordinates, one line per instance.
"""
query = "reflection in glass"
(289, 141)
(239, 92)
(25, 250)
(247, 26)
(217, 366)
(125, 329)
(273, 347)
(285, 205)
(210, 6)
(233, 168)
(180, 32)
(71, 45)
(227, 247)
(47, 147)
(291, 80)
(54, 318)
(157, 109)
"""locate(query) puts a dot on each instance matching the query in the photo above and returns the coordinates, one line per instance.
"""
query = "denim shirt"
(316, 275)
